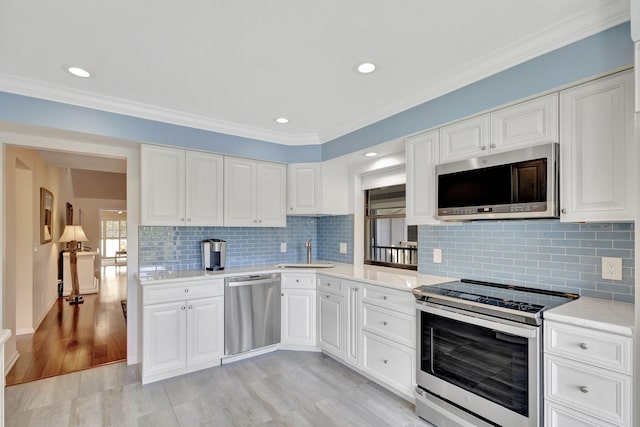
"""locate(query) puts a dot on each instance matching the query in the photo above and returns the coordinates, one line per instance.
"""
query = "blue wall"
(537, 253)
(594, 55)
(178, 248)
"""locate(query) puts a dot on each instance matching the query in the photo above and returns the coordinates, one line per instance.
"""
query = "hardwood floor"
(72, 338)
(284, 388)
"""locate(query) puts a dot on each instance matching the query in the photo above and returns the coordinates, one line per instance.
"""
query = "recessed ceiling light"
(366, 68)
(79, 72)
(370, 154)
(282, 120)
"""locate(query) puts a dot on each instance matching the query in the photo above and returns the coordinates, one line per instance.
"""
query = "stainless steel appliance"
(214, 254)
(479, 347)
(251, 312)
(515, 184)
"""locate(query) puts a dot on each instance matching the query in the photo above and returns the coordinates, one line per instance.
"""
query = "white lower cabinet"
(588, 377)
(298, 311)
(330, 323)
(183, 328)
(390, 362)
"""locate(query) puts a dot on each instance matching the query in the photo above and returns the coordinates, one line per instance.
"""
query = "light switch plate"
(283, 247)
(612, 268)
(343, 248)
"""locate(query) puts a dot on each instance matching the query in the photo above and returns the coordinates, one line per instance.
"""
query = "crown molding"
(545, 40)
(56, 93)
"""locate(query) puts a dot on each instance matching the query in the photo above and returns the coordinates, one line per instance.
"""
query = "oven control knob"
(584, 345)
(584, 389)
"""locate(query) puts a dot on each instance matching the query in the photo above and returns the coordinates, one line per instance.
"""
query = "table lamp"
(73, 234)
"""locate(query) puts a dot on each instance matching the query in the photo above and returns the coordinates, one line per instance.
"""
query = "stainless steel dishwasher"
(251, 312)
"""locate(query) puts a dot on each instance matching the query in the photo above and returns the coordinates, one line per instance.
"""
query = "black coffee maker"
(213, 254)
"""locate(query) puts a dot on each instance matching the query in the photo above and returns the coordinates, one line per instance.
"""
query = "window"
(113, 231)
(388, 240)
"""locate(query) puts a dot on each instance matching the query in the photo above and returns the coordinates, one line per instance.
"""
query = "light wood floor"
(72, 338)
(284, 388)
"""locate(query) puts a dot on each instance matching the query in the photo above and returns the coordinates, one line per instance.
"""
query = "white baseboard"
(298, 347)
(44, 314)
(248, 354)
(11, 362)
(24, 331)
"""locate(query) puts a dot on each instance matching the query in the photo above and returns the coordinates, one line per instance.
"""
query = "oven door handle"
(513, 328)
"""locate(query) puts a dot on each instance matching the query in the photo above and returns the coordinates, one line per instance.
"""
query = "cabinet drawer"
(179, 291)
(396, 300)
(298, 281)
(396, 326)
(604, 350)
(603, 394)
(390, 362)
(330, 284)
(558, 416)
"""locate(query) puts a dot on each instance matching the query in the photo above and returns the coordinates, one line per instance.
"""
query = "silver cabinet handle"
(385, 323)
(255, 220)
(584, 389)
(584, 345)
(564, 211)
(384, 297)
(328, 284)
(297, 280)
(493, 146)
(484, 147)
(385, 361)
(183, 307)
(282, 294)
(327, 296)
(190, 306)
(181, 219)
(186, 291)
(188, 219)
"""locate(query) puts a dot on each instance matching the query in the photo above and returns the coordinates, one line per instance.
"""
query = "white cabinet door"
(272, 195)
(330, 312)
(255, 193)
(239, 191)
(422, 157)
(162, 186)
(205, 329)
(597, 160)
(352, 324)
(299, 317)
(204, 189)
(526, 124)
(164, 337)
(303, 192)
(465, 139)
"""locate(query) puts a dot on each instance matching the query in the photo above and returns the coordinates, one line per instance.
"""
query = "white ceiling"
(233, 66)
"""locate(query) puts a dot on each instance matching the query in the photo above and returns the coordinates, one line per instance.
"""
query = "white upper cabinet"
(465, 139)
(180, 187)
(528, 123)
(317, 189)
(597, 160)
(255, 193)
(521, 125)
(422, 157)
(304, 187)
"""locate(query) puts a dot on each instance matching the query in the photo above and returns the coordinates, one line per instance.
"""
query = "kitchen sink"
(305, 265)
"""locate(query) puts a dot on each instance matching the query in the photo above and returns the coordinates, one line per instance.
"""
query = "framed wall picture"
(46, 215)
(69, 216)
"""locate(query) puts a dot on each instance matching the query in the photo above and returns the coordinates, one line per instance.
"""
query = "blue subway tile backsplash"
(178, 248)
(544, 254)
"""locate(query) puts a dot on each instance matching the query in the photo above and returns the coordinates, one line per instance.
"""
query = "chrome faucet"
(308, 246)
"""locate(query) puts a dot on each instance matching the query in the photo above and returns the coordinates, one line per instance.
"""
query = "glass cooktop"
(493, 298)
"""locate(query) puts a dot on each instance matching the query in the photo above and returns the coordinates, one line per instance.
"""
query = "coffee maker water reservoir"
(213, 254)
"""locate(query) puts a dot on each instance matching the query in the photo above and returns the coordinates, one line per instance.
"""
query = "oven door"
(479, 364)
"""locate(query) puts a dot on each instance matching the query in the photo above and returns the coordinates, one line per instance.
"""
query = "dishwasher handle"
(251, 282)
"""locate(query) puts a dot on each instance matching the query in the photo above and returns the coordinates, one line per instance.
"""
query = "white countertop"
(604, 315)
(384, 276)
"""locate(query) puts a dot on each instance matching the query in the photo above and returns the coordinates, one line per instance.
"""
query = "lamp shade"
(73, 233)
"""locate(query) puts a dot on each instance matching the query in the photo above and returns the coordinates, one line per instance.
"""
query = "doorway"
(53, 337)
(113, 238)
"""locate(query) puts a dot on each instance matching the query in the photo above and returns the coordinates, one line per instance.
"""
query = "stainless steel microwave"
(515, 184)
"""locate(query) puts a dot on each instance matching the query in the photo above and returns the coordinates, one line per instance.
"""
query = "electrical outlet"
(612, 268)
(437, 256)
(343, 248)
(283, 247)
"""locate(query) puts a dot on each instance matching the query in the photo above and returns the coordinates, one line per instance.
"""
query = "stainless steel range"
(479, 347)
